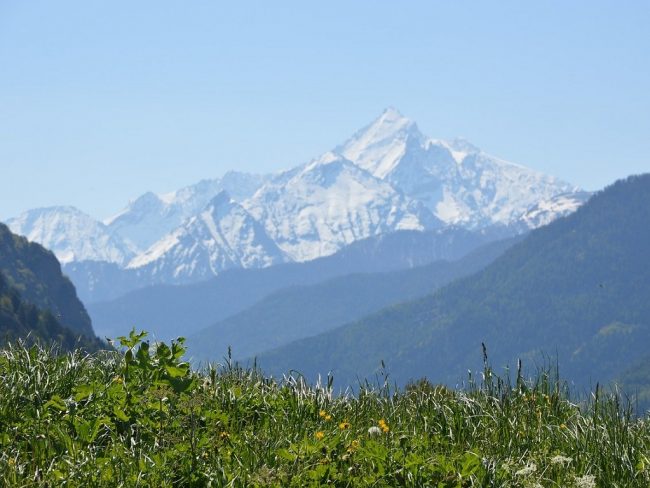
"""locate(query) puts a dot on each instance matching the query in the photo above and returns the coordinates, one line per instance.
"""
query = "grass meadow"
(142, 417)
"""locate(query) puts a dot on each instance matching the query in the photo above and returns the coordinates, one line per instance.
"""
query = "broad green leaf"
(57, 403)
(119, 413)
(82, 392)
(181, 385)
(286, 455)
(177, 371)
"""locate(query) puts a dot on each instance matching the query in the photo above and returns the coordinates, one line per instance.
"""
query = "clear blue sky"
(101, 101)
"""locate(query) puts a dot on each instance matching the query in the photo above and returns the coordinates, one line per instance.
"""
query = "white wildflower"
(374, 430)
(559, 459)
(586, 481)
(530, 468)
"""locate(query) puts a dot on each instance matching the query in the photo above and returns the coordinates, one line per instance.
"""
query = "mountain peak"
(378, 146)
(392, 113)
(71, 234)
(390, 123)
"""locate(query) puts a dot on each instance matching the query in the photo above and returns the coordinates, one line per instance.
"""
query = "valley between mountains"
(392, 248)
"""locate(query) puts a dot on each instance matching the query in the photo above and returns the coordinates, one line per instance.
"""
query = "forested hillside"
(302, 311)
(575, 291)
(22, 320)
(38, 303)
(167, 311)
(36, 274)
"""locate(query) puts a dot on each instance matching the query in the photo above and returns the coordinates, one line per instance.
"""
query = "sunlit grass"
(143, 418)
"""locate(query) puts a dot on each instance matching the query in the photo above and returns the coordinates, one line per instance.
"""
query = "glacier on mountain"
(316, 209)
(222, 236)
(150, 217)
(388, 176)
(457, 181)
(72, 235)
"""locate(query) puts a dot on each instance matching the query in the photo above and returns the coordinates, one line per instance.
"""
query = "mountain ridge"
(576, 288)
(299, 311)
(386, 177)
(167, 309)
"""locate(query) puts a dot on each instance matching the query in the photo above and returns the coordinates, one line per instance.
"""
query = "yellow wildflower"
(344, 425)
(354, 445)
(322, 414)
(328, 417)
(383, 425)
(319, 435)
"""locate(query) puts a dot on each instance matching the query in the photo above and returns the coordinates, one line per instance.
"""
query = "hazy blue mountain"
(301, 311)
(169, 311)
(635, 382)
(576, 289)
(99, 280)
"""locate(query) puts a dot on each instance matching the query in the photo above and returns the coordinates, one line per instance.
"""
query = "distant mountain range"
(301, 311)
(168, 311)
(576, 291)
(387, 177)
(151, 217)
(457, 181)
(222, 236)
(73, 235)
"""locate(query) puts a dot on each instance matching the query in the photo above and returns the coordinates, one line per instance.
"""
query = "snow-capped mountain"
(458, 182)
(72, 235)
(317, 208)
(150, 217)
(222, 236)
(386, 177)
(545, 212)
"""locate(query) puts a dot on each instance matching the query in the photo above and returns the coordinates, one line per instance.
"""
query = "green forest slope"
(36, 274)
(302, 311)
(577, 290)
(38, 303)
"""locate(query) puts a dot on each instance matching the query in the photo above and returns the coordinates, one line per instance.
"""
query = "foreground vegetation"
(143, 418)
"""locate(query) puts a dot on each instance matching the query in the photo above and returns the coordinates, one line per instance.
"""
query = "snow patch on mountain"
(222, 236)
(378, 147)
(388, 176)
(316, 209)
(150, 217)
(458, 182)
(72, 235)
(545, 212)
